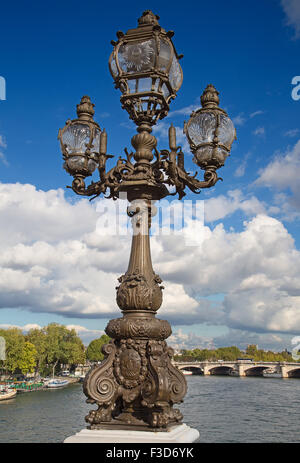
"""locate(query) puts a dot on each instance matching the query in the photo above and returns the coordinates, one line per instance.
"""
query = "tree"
(62, 346)
(20, 354)
(27, 361)
(251, 350)
(37, 337)
(94, 349)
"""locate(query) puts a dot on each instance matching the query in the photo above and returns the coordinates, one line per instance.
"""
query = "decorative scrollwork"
(167, 169)
(136, 292)
(136, 385)
(138, 328)
(99, 384)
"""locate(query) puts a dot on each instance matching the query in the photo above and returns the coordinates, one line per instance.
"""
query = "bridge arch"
(294, 373)
(195, 369)
(255, 370)
(225, 370)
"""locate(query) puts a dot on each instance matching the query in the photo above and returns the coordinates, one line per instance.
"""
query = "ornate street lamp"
(136, 386)
(210, 132)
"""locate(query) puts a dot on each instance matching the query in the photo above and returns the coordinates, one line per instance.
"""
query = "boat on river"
(57, 383)
(7, 393)
(271, 373)
(186, 372)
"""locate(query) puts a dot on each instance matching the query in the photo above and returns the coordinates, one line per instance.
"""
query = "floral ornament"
(137, 57)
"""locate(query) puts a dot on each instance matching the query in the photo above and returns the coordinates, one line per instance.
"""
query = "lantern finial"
(148, 18)
(210, 98)
(85, 109)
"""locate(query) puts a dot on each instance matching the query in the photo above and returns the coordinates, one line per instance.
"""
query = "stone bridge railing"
(242, 368)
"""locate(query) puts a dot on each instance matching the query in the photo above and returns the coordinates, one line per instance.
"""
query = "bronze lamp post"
(136, 385)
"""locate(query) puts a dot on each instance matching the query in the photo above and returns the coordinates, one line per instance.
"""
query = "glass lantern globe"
(145, 66)
(210, 132)
(80, 141)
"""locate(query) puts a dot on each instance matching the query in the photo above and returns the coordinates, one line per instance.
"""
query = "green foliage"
(62, 346)
(27, 361)
(44, 349)
(38, 338)
(94, 350)
(20, 354)
(233, 353)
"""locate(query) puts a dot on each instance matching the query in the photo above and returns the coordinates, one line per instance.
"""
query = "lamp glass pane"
(202, 128)
(113, 66)
(207, 155)
(76, 137)
(137, 57)
(165, 90)
(226, 132)
(144, 85)
(164, 55)
(96, 141)
(132, 85)
(141, 106)
(175, 75)
(77, 165)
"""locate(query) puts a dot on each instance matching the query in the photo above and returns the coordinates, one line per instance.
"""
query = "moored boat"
(56, 383)
(7, 393)
(271, 373)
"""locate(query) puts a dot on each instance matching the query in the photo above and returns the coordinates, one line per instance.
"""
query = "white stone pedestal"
(177, 434)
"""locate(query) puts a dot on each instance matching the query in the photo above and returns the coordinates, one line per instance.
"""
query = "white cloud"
(240, 171)
(291, 133)
(3, 159)
(53, 260)
(2, 155)
(283, 173)
(259, 131)
(256, 113)
(2, 142)
(257, 269)
(86, 334)
(180, 340)
(240, 119)
(243, 338)
(219, 207)
(186, 111)
(292, 11)
(26, 328)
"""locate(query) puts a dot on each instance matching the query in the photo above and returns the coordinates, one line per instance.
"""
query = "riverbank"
(32, 386)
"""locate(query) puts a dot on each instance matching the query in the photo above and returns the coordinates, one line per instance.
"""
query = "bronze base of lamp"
(136, 385)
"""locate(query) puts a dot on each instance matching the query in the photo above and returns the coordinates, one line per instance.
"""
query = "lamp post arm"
(177, 176)
(110, 179)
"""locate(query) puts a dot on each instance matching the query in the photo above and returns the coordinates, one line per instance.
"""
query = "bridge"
(240, 368)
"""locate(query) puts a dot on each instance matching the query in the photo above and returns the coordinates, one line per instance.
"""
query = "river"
(222, 408)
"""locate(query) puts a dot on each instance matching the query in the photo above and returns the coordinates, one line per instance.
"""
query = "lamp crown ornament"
(136, 386)
(85, 109)
(148, 18)
(210, 97)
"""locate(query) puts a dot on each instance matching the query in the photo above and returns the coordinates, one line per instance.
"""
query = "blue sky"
(51, 57)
